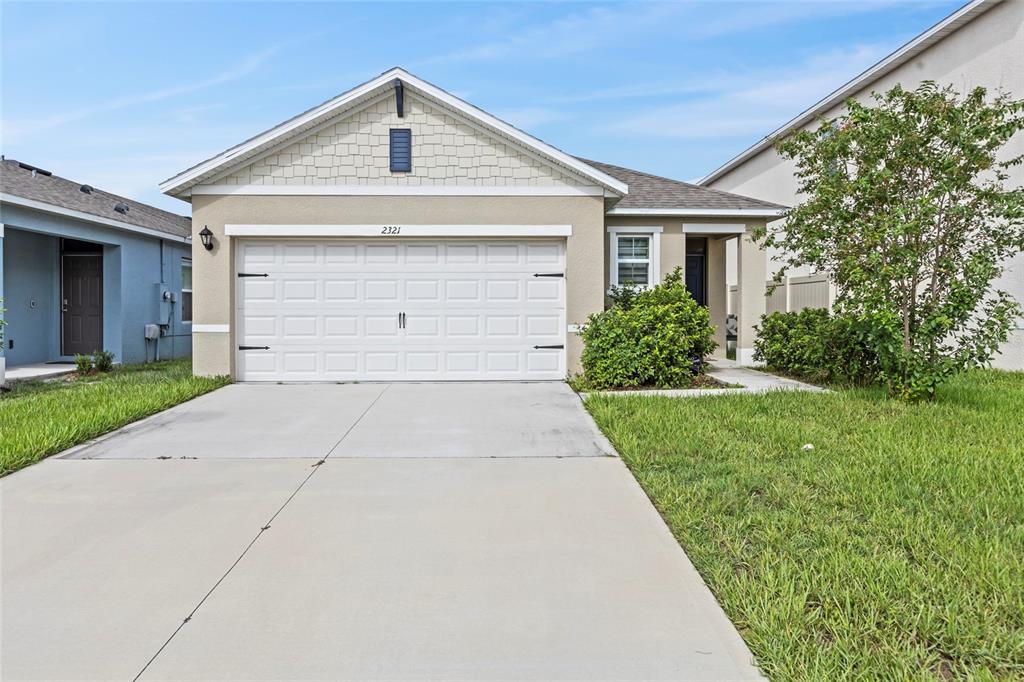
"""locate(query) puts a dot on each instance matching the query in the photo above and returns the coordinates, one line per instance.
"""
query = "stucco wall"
(32, 322)
(131, 271)
(988, 52)
(213, 271)
(446, 150)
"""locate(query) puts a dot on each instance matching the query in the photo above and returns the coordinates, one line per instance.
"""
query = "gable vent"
(401, 150)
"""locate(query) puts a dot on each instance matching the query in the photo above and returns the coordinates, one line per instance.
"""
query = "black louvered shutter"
(401, 150)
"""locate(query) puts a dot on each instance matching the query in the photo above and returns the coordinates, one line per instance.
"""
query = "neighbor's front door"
(81, 303)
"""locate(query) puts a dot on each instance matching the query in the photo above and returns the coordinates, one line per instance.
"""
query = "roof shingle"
(64, 193)
(653, 192)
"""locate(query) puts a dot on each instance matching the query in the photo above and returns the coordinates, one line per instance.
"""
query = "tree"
(906, 209)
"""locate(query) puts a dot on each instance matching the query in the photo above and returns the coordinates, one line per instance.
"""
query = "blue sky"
(124, 95)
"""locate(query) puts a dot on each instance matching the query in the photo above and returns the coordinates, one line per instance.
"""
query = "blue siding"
(31, 291)
(134, 268)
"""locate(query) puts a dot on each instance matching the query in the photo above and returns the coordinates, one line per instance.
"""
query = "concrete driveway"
(352, 532)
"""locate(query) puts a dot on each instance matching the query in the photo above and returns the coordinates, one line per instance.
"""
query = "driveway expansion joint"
(315, 468)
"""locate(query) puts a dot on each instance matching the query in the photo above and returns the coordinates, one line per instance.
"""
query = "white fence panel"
(803, 292)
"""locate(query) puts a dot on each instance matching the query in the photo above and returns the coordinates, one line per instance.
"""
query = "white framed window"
(186, 290)
(634, 256)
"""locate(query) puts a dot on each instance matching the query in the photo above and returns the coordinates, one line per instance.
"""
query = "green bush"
(103, 360)
(655, 337)
(812, 344)
(83, 363)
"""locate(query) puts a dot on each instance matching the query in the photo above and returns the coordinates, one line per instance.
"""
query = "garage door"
(400, 310)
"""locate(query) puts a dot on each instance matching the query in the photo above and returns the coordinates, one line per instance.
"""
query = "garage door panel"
(381, 290)
(346, 290)
(329, 310)
(380, 325)
(341, 326)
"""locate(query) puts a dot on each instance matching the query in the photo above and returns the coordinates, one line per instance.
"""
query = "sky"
(124, 95)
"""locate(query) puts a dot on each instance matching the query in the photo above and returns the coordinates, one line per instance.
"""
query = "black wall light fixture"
(207, 236)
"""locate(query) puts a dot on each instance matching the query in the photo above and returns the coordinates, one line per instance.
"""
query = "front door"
(81, 302)
(696, 274)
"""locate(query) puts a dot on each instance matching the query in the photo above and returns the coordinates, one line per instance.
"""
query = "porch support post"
(682, 261)
(717, 292)
(751, 271)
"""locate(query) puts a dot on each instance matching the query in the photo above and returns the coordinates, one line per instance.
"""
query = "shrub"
(656, 337)
(103, 360)
(812, 344)
(83, 363)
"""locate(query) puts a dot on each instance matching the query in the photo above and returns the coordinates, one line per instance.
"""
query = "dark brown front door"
(81, 316)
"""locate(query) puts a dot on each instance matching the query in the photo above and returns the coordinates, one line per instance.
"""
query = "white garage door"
(400, 310)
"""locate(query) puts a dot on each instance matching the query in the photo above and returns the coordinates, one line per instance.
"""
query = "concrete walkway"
(37, 371)
(729, 372)
(361, 539)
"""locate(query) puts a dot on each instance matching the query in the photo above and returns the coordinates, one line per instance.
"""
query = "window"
(401, 150)
(634, 256)
(186, 290)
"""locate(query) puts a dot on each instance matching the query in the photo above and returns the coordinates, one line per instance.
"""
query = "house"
(981, 44)
(85, 270)
(397, 232)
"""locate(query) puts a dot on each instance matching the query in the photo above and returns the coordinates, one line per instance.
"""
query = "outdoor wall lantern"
(207, 236)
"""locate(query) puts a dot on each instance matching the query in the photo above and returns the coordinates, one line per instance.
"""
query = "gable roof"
(294, 127)
(33, 188)
(651, 194)
(908, 51)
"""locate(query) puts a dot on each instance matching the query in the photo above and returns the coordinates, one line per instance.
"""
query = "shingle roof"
(57, 191)
(653, 192)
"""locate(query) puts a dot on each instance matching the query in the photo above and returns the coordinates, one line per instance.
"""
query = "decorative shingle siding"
(446, 151)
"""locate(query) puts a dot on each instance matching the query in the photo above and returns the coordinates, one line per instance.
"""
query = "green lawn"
(893, 550)
(38, 419)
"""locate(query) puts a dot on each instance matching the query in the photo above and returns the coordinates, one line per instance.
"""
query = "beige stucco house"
(396, 232)
(981, 44)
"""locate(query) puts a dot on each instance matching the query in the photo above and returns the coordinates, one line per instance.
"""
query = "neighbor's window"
(186, 290)
(401, 150)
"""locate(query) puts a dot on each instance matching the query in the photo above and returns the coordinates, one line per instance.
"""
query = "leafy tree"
(905, 207)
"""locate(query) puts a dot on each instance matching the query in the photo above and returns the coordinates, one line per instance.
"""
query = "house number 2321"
(391, 229)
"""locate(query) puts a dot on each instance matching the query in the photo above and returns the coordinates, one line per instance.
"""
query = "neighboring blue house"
(84, 270)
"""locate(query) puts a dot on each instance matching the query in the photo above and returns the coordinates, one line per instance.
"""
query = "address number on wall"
(391, 229)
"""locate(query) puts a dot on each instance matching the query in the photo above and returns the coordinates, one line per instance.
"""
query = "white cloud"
(750, 103)
(596, 27)
(637, 24)
(248, 65)
(531, 117)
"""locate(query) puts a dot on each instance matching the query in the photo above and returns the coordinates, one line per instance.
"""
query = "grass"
(894, 550)
(41, 418)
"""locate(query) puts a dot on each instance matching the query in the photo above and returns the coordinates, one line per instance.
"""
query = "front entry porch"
(55, 301)
(643, 250)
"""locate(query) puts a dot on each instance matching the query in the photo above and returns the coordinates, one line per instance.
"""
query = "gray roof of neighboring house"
(952, 23)
(653, 192)
(61, 192)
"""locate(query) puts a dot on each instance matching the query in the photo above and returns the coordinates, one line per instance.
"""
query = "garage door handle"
(253, 274)
(559, 346)
(549, 274)
(254, 348)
